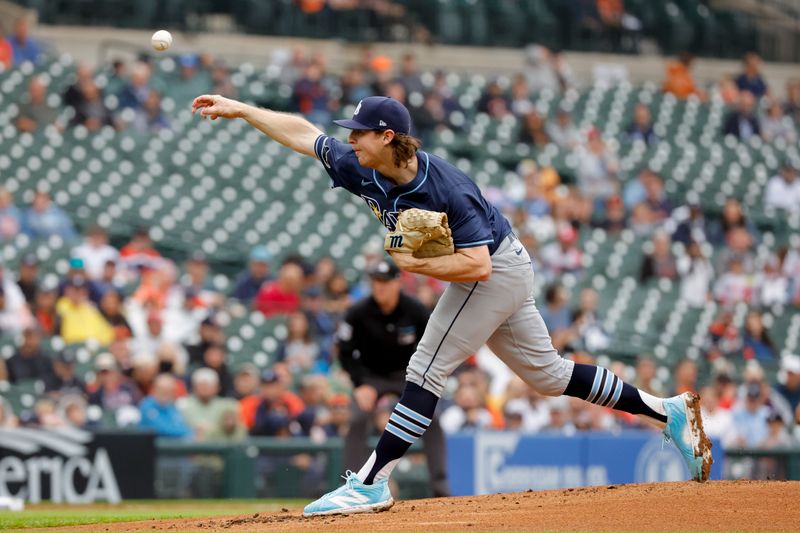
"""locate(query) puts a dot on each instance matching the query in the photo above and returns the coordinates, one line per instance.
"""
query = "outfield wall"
(76, 466)
(69, 465)
(491, 462)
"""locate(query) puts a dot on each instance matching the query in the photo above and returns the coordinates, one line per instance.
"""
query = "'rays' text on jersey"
(387, 218)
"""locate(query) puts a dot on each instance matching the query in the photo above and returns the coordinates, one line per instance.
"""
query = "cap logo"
(358, 108)
(382, 124)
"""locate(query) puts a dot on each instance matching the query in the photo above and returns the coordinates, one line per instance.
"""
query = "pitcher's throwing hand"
(215, 106)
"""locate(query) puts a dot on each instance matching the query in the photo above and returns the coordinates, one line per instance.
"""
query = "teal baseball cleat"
(685, 429)
(352, 497)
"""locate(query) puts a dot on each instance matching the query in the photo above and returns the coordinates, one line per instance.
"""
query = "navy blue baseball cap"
(378, 113)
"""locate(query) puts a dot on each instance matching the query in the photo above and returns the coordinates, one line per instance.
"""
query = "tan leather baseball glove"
(420, 233)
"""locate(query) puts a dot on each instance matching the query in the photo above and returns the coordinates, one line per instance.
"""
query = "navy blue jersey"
(438, 186)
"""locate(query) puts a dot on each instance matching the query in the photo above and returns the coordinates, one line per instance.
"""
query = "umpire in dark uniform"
(376, 339)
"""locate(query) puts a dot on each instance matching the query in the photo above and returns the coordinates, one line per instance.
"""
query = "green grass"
(52, 515)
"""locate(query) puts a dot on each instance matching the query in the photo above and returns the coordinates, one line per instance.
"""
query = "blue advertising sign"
(491, 462)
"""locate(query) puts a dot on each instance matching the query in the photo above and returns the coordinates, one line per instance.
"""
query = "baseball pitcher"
(441, 226)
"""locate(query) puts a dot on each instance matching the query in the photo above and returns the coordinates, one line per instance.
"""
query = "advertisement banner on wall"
(491, 462)
(75, 466)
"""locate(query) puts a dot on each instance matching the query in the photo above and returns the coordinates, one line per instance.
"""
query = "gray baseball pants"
(500, 313)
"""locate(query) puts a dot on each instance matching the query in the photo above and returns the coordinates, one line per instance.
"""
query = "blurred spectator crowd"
(159, 356)
(712, 29)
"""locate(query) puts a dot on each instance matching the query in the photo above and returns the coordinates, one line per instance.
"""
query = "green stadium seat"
(223, 188)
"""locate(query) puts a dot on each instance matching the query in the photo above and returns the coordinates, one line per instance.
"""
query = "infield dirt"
(689, 506)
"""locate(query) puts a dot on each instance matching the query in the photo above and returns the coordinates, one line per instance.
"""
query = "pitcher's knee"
(553, 378)
(429, 379)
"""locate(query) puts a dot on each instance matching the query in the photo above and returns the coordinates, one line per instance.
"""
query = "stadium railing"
(776, 463)
(256, 467)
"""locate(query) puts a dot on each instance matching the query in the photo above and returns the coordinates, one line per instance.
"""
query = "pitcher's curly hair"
(405, 146)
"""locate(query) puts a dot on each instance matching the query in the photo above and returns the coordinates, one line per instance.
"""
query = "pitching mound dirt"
(713, 506)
